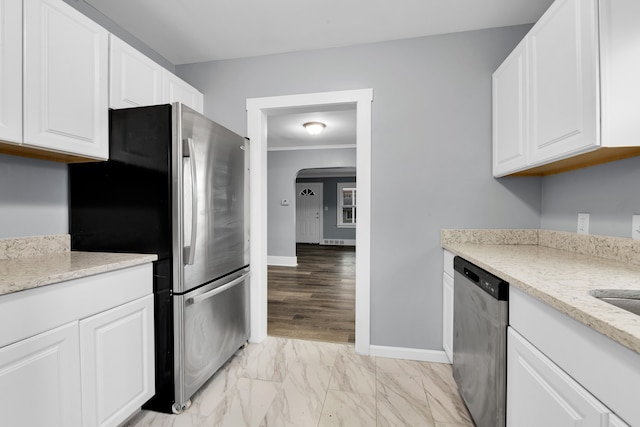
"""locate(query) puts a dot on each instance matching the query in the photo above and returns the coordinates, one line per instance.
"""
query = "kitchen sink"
(626, 299)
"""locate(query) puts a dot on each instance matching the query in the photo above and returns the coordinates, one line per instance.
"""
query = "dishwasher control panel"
(486, 281)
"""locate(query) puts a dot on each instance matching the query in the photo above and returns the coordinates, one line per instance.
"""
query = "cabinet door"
(509, 113)
(539, 393)
(40, 380)
(563, 88)
(620, 68)
(614, 421)
(135, 80)
(11, 71)
(65, 80)
(177, 90)
(117, 362)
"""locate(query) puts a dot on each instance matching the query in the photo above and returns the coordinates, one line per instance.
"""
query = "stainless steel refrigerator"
(176, 185)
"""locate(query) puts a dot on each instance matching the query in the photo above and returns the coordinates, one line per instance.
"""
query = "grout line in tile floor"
(291, 382)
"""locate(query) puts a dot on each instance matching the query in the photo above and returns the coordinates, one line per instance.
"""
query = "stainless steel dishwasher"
(480, 318)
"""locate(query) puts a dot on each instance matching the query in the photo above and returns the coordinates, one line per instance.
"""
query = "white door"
(177, 90)
(134, 79)
(66, 84)
(40, 380)
(509, 113)
(117, 362)
(308, 212)
(539, 393)
(563, 89)
(11, 71)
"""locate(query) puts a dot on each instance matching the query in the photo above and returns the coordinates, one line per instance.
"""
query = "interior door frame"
(257, 112)
(320, 208)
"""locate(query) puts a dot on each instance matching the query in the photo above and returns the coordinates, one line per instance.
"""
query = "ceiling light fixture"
(314, 128)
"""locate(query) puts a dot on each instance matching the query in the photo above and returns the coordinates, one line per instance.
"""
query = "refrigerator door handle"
(189, 152)
(216, 291)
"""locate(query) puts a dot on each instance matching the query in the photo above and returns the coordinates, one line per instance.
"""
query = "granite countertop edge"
(43, 266)
(558, 277)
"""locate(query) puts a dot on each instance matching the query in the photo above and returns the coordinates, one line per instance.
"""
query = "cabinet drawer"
(71, 300)
(608, 370)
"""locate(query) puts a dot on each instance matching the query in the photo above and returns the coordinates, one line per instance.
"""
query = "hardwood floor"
(316, 299)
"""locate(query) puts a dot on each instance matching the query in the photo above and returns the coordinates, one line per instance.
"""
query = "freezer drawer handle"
(213, 292)
(190, 251)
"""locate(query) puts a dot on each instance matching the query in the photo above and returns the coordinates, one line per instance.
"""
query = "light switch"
(284, 202)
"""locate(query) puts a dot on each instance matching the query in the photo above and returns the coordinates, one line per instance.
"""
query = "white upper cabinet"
(135, 79)
(65, 80)
(177, 90)
(563, 87)
(11, 71)
(509, 113)
(580, 89)
(620, 71)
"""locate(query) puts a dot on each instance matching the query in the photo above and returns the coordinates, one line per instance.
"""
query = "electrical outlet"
(583, 223)
(635, 227)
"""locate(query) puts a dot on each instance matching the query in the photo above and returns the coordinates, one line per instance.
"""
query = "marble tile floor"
(290, 382)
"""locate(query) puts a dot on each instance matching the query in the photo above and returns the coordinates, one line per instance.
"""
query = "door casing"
(257, 112)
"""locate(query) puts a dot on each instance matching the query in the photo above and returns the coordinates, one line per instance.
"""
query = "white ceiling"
(285, 130)
(190, 31)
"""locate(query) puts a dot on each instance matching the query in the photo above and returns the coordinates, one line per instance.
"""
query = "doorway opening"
(258, 110)
(315, 299)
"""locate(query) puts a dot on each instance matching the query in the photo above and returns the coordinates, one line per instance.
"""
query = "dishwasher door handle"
(471, 276)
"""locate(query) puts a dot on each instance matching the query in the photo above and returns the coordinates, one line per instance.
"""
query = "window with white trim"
(346, 204)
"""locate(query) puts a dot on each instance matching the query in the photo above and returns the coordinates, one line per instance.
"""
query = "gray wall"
(610, 193)
(330, 228)
(282, 169)
(33, 197)
(431, 154)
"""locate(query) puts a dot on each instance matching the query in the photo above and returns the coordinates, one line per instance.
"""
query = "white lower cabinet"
(539, 393)
(79, 352)
(40, 380)
(447, 305)
(561, 372)
(117, 362)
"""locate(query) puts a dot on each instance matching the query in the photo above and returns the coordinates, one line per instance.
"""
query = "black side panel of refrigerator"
(141, 136)
(124, 204)
(163, 317)
(119, 208)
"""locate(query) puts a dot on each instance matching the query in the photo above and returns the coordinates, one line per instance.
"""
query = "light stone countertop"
(28, 263)
(562, 278)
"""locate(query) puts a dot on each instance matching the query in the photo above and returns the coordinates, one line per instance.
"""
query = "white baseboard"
(338, 242)
(282, 261)
(409, 354)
